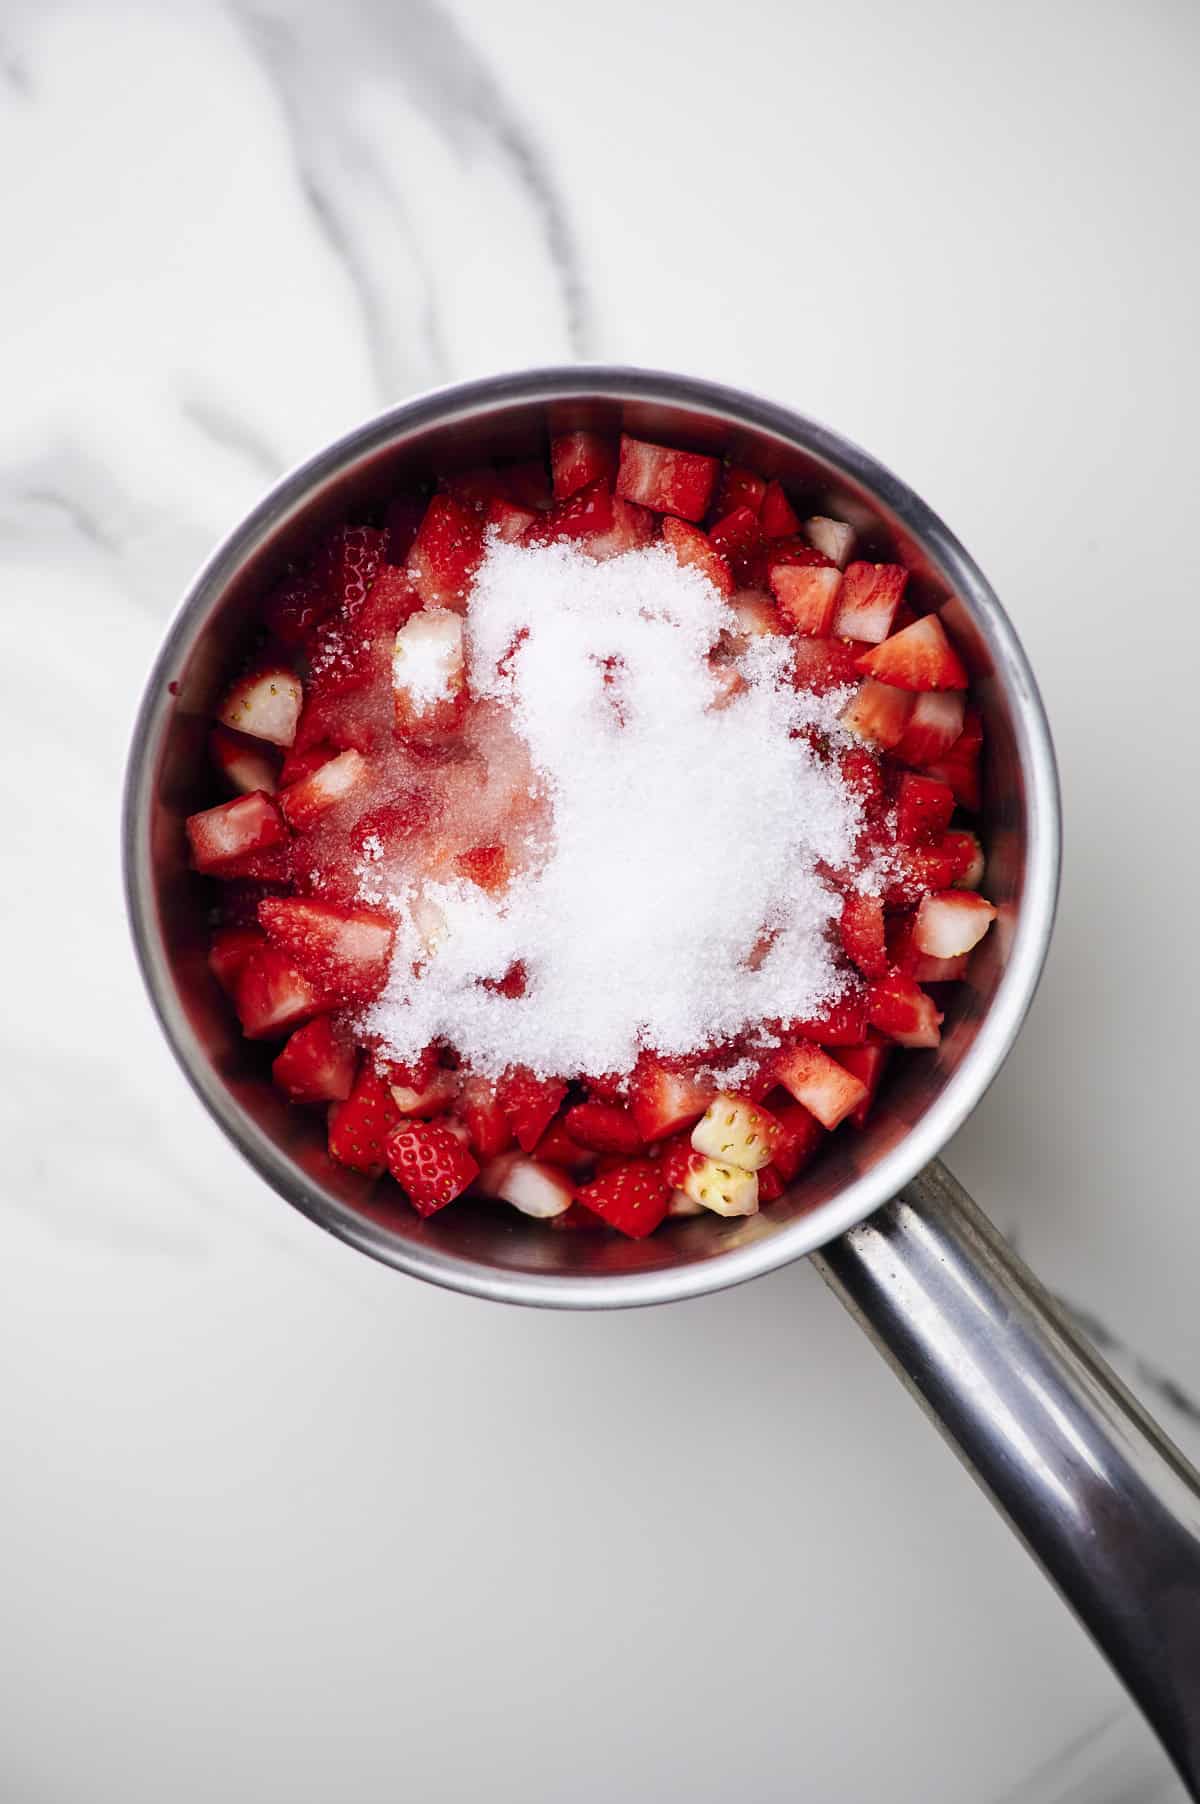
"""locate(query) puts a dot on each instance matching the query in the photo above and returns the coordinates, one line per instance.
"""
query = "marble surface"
(278, 1524)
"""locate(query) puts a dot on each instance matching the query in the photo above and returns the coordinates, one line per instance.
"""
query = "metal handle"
(1102, 1499)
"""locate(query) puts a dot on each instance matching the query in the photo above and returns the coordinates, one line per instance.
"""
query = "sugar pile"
(676, 901)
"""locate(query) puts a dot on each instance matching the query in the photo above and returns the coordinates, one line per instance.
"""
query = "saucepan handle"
(1100, 1496)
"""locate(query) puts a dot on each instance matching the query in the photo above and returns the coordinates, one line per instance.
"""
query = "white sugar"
(676, 901)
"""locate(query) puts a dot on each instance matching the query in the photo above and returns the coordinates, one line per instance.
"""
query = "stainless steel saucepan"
(1103, 1500)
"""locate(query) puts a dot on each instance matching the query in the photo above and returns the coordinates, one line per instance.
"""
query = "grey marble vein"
(233, 433)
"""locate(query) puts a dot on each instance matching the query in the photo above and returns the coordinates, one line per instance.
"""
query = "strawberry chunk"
(808, 595)
(580, 458)
(230, 952)
(951, 922)
(316, 1065)
(932, 728)
(359, 1128)
(920, 657)
(488, 866)
(964, 847)
(529, 1185)
(860, 772)
(878, 713)
(631, 1197)
(825, 1088)
(779, 518)
(221, 838)
(668, 481)
(431, 1096)
(632, 528)
(664, 1100)
(272, 995)
(833, 537)
(825, 664)
(923, 809)
(529, 1102)
(245, 764)
(430, 1164)
(485, 1121)
(868, 1064)
(691, 547)
(446, 553)
(604, 1127)
(737, 536)
(556, 1147)
(265, 704)
(508, 521)
(739, 487)
(899, 1008)
(862, 933)
(345, 951)
(798, 1138)
(429, 674)
(757, 618)
(960, 765)
(867, 603)
(919, 869)
(841, 1023)
(306, 802)
(585, 514)
(353, 556)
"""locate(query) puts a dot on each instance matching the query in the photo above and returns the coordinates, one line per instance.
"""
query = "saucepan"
(1099, 1494)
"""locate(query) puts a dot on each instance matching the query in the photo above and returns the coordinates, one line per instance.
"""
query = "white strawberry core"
(674, 898)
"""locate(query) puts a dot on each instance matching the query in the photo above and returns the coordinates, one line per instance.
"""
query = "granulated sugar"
(676, 900)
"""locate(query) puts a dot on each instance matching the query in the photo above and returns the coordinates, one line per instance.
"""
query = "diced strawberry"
(556, 1147)
(576, 1217)
(265, 704)
(817, 1081)
(346, 951)
(862, 933)
(222, 837)
(860, 772)
(272, 995)
(920, 657)
(878, 713)
(446, 553)
(899, 1008)
(632, 528)
(535, 1188)
(798, 1138)
(738, 487)
(736, 1131)
(770, 1184)
(245, 764)
(807, 594)
(824, 664)
(669, 481)
(488, 866)
(674, 1159)
(379, 831)
(758, 618)
(724, 1189)
(664, 1100)
(779, 518)
(604, 1127)
(867, 1063)
(607, 1086)
(923, 809)
(230, 952)
(631, 1196)
(527, 484)
(304, 803)
(690, 546)
(354, 554)
(964, 847)
(299, 603)
(271, 865)
(401, 525)
(529, 1102)
(410, 1074)
(584, 515)
(951, 923)
(299, 764)
(727, 680)
(867, 603)
(919, 869)
(840, 1023)
(475, 488)
(833, 537)
(960, 765)
(316, 1065)
(737, 536)
(430, 1164)
(580, 458)
(483, 1118)
(933, 726)
(508, 521)
(429, 674)
(359, 1127)
(437, 1093)
(940, 970)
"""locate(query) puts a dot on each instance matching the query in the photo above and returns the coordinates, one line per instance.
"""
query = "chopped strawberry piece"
(359, 1128)
(531, 1186)
(737, 536)
(378, 832)
(401, 524)
(245, 764)
(230, 952)
(807, 594)
(798, 1139)
(306, 802)
(834, 537)
(919, 869)
(429, 681)
(609, 1086)
(867, 1063)
(488, 866)
(899, 1008)
(299, 603)
(841, 1023)
(508, 521)
(483, 1118)
(919, 657)
(584, 515)
(960, 765)
(861, 773)
(824, 664)
(664, 1100)
(940, 970)
(923, 809)
(739, 487)
(580, 458)
(862, 933)
(933, 726)
(604, 1127)
(430, 1164)
(675, 1159)
(265, 704)
(867, 603)
(527, 484)
(299, 764)
(475, 488)
(222, 837)
(529, 1103)
(967, 852)
(690, 546)
(757, 618)
(779, 518)
(354, 554)
(273, 864)
(446, 553)
(670, 482)
(816, 1080)
(414, 1074)
(631, 529)
(951, 923)
(878, 713)
(346, 951)
(316, 1065)
(631, 1197)
(434, 1096)
(770, 1184)
(556, 1147)
(272, 995)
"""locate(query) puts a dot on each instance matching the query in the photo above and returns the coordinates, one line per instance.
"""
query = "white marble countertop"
(278, 1524)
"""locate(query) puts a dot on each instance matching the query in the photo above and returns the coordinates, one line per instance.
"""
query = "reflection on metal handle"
(1104, 1501)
